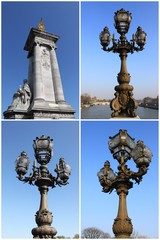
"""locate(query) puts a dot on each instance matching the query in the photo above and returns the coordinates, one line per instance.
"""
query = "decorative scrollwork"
(137, 176)
(44, 217)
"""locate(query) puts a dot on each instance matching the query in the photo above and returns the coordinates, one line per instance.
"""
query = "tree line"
(96, 233)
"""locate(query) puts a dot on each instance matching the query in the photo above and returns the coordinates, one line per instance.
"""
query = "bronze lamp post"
(123, 148)
(43, 179)
(123, 104)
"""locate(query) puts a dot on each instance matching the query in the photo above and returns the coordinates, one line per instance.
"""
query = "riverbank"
(104, 112)
(148, 106)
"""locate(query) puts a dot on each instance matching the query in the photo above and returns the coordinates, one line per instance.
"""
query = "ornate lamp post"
(43, 179)
(123, 148)
(123, 104)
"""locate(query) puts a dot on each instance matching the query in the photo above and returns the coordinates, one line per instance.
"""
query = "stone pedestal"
(38, 114)
(44, 82)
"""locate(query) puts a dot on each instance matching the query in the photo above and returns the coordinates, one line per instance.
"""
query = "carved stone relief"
(45, 58)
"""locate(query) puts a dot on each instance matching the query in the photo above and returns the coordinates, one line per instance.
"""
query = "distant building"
(150, 102)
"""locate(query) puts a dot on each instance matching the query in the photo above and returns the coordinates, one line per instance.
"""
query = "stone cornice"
(51, 38)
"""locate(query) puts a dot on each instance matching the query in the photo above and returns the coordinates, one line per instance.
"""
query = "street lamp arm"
(63, 171)
(109, 49)
(137, 49)
(61, 183)
(134, 48)
(137, 176)
(119, 46)
(30, 179)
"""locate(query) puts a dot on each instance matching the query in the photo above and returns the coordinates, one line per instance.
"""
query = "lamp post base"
(123, 105)
(122, 228)
(123, 117)
(44, 231)
(44, 220)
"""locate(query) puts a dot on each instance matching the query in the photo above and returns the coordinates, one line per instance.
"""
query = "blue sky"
(99, 209)
(21, 201)
(99, 68)
(60, 18)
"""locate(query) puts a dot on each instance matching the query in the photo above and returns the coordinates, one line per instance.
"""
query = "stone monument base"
(40, 114)
(16, 114)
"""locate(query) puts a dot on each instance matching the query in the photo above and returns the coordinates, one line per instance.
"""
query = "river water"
(104, 112)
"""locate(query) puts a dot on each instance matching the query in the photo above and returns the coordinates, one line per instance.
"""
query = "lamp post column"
(44, 217)
(123, 103)
(43, 203)
(122, 226)
(123, 75)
